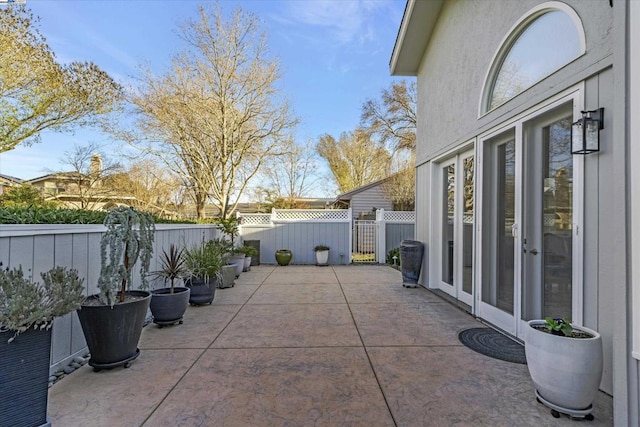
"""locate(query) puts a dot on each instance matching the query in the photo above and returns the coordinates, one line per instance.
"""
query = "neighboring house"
(517, 227)
(366, 199)
(7, 181)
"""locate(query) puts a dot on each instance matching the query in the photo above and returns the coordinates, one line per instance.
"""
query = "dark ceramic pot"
(168, 308)
(112, 333)
(411, 253)
(202, 291)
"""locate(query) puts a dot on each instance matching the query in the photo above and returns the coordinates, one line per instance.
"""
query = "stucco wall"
(466, 37)
(451, 79)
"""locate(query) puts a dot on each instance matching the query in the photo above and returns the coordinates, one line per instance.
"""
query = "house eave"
(418, 22)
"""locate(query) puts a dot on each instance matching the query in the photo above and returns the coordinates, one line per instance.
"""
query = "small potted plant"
(283, 256)
(27, 310)
(236, 257)
(565, 364)
(322, 255)
(112, 320)
(168, 304)
(203, 264)
(249, 252)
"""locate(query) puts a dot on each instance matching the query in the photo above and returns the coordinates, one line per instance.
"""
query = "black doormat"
(493, 344)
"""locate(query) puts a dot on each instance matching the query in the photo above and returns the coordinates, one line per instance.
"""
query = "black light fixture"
(585, 133)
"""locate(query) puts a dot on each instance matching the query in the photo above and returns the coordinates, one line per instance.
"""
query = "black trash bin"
(411, 253)
(256, 245)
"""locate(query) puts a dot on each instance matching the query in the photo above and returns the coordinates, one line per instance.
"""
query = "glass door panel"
(498, 287)
(467, 224)
(549, 222)
(448, 206)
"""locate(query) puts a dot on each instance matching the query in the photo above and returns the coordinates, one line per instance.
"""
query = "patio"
(305, 345)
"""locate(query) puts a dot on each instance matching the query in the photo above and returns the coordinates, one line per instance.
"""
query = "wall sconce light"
(585, 133)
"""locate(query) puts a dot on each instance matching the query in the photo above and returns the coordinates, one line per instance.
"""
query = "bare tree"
(86, 185)
(216, 116)
(291, 175)
(355, 159)
(393, 118)
(152, 187)
(37, 93)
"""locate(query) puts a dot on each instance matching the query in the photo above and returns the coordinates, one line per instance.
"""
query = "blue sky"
(334, 54)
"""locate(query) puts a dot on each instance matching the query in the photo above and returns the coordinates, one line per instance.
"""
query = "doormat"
(493, 344)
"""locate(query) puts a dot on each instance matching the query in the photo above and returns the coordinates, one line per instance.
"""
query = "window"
(546, 39)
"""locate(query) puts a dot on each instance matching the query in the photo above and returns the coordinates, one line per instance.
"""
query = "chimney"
(96, 166)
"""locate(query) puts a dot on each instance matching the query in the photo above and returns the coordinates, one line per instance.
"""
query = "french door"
(528, 222)
(454, 228)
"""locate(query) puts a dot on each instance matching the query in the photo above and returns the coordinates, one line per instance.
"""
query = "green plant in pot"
(168, 304)
(322, 255)
(203, 264)
(112, 320)
(565, 364)
(27, 311)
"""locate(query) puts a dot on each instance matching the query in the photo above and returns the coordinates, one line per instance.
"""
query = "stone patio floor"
(306, 345)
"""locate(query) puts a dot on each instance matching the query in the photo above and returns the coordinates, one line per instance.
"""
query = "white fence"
(393, 227)
(300, 230)
(37, 248)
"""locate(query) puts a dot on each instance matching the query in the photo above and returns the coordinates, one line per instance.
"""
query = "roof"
(417, 24)
(11, 178)
(349, 194)
(53, 177)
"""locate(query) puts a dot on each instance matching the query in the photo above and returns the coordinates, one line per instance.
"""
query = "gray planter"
(228, 276)
(168, 308)
(411, 253)
(238, 261)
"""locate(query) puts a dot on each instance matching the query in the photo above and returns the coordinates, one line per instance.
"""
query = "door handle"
(533, 251)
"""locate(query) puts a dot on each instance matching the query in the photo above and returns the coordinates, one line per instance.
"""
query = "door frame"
(435, 262)
(514, 324)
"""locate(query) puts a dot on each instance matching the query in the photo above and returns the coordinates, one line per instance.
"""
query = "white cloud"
(346, 21)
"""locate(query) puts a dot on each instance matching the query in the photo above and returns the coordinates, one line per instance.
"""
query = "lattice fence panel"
(399, 216)
(255, 219)
(329, 215)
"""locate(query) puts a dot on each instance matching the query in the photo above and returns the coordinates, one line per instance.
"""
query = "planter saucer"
(126, 362)
(574, 414)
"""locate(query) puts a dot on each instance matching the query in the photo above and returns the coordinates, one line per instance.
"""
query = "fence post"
(350, 254)
(381, 232)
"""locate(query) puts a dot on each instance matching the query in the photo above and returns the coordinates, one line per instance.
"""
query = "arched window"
(546, 39)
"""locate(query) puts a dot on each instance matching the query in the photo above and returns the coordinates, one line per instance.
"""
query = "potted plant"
(236, 257)
(27, 310)
(565, 364)
(168, 304)
(112, 320)
(322, 255)
(283, 256)
(249, 252)
(203, 264)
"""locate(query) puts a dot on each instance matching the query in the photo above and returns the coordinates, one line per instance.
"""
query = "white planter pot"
(565, 371)
(322, 257)
(247, 263)
(238, 261)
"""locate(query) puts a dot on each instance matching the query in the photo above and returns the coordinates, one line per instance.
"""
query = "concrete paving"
(306, 345)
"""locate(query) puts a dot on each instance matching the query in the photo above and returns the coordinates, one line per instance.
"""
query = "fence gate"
(364, 240)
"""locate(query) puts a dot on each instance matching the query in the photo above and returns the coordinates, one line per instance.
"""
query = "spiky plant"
(173, 265)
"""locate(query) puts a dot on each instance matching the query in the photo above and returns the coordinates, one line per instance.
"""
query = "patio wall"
(299, 231)
(40, 247)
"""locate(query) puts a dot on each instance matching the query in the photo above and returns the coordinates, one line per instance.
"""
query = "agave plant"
(173, 266)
